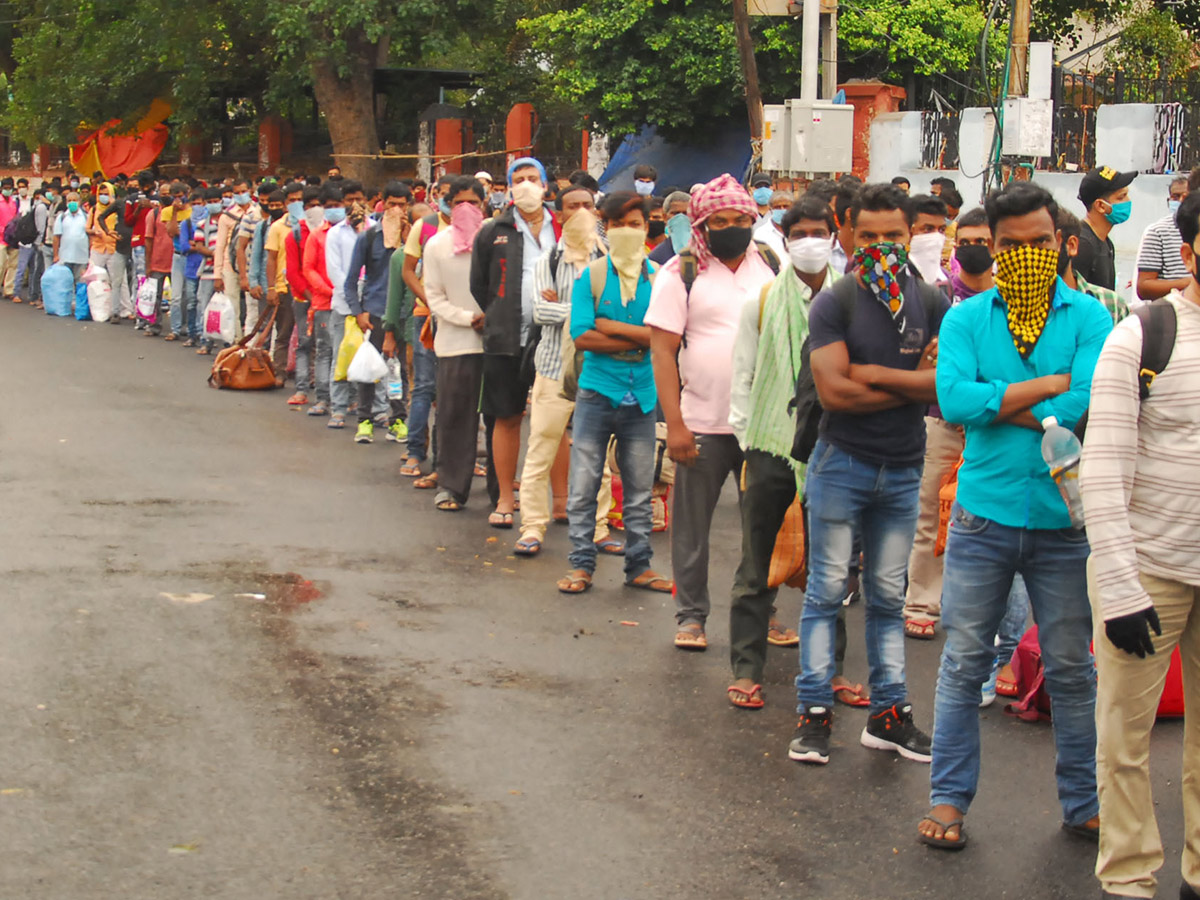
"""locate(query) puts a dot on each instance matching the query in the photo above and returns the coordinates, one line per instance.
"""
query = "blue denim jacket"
(1003, 477)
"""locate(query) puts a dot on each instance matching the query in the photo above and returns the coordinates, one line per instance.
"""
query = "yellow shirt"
(276, 235)
(413, 246)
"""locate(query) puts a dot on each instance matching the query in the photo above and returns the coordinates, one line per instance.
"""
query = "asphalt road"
(429, 718)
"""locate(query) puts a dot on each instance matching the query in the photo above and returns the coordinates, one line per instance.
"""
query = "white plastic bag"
(99, 294)
(147, 300)
(94, 272)
(219, 319)
(368, 365)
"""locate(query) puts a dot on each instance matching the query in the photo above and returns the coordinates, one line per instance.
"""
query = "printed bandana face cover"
(1025, 276)
(880, 265)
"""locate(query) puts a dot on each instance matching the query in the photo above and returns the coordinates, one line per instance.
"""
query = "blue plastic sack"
(58, 287)
(83, 312)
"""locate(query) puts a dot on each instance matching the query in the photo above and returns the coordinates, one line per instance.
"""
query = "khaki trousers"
(1127, 699)
(8, 268)
(943, 446)
(548, 417)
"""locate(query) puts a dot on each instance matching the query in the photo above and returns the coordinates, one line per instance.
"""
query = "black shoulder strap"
(845, 291)
(770, 257)
(931, 296)
(688, 269)
(555, 256)
(1158, 341)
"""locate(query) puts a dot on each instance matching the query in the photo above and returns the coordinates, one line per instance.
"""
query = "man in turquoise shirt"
(1007, 359)
(616, 396)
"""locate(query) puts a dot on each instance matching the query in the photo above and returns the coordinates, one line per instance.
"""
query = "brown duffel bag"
(247, 365)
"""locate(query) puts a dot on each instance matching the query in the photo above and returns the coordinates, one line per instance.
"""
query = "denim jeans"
(28, 283)
(982, 557)
(424, 389)
(338, 393)
(842, 493)
(185, 317)
(204, 293)
(304, 345)
(179, 309)
(326, 339)
(596, 421)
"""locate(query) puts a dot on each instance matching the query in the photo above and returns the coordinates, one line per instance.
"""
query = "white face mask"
(314, 215)
(925, 250)
(810, 254)
(527, 195)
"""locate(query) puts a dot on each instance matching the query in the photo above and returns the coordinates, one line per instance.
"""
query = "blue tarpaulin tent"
(728, 150)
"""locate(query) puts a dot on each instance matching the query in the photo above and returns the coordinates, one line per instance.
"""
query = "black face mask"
(657, 229)
(729, 243)
(276, 214)
(975, 259)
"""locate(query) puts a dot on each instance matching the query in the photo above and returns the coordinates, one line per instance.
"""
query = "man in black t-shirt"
(873, 340)
(1104, 193)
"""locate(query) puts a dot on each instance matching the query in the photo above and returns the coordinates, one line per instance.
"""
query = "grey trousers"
(697, 489)
(459, 380)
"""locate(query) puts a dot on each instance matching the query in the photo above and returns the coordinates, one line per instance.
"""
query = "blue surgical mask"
(199, 214)
(295, 211)
(762, 195)
(73, 206)
(777, 216)
(335, 214)
(214, 207)
(103, 199)
(444, 207)
(679, 230)
(1120, 212)
(644, 188)
(1173, 206)
(226, 202)
(242, 199)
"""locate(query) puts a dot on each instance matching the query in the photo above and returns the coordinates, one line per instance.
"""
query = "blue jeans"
(337, 393)
(185, 316)
(304, 345)
(844, 494)
(28, 259)
(328, 330)
(424, 389)
(982, 557)
(179, 303)
(204, 293)
(596, 421)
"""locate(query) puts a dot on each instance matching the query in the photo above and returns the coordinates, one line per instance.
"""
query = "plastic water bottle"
(1061, 451)
(395, 386)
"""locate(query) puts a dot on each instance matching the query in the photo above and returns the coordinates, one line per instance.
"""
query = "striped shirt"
(1159, 251)
(1141, 496)
(553, 316)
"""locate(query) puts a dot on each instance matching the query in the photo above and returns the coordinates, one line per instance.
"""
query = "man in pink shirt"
(693, 329)
(8, 255)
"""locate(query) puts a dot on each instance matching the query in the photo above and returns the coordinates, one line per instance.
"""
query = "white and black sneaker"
(811, 743)
(893, 730)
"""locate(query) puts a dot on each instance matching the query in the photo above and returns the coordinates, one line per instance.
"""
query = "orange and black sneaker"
(811, 743)
(893, 730)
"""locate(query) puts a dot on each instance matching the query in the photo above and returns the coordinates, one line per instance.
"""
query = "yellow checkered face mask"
(1025, 278)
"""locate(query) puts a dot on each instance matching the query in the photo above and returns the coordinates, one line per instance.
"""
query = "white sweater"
(448, 290)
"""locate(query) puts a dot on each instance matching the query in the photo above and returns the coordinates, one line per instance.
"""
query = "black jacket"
(496, 273)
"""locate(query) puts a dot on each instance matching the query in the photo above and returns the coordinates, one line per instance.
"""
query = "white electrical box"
(808, 136)
(1028, 127)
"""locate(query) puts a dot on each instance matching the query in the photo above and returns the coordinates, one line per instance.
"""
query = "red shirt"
(162, 248)
(314, 269)
(294, 255)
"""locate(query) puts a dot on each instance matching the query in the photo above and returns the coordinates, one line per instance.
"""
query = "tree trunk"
(349, 109)
(754, 106)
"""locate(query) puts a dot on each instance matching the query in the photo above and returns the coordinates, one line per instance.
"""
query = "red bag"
(1033, 703)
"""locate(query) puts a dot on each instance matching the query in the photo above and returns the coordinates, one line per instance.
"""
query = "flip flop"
(480, 471)
(920, 629)
(854, 696)
(778, 636)
(743, 699)
(426, 482)
(411, 470)
(652, 581)
(1006, 687)
(501, 520)
(575, 582)
(529, 546)
(691, 637)
(611, 547)
(942, 843)
(444, 502)
(1083, 831)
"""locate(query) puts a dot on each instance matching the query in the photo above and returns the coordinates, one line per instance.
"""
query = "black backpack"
(689, 270)
(806, 403)
(1158, 342)
(25, 231)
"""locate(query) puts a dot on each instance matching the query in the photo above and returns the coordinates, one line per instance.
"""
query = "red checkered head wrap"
(723, 192)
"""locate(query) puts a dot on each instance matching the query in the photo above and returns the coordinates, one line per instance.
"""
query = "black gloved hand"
(1131, 633)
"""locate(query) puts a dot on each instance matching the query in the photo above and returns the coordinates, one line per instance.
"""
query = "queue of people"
(850, 351)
